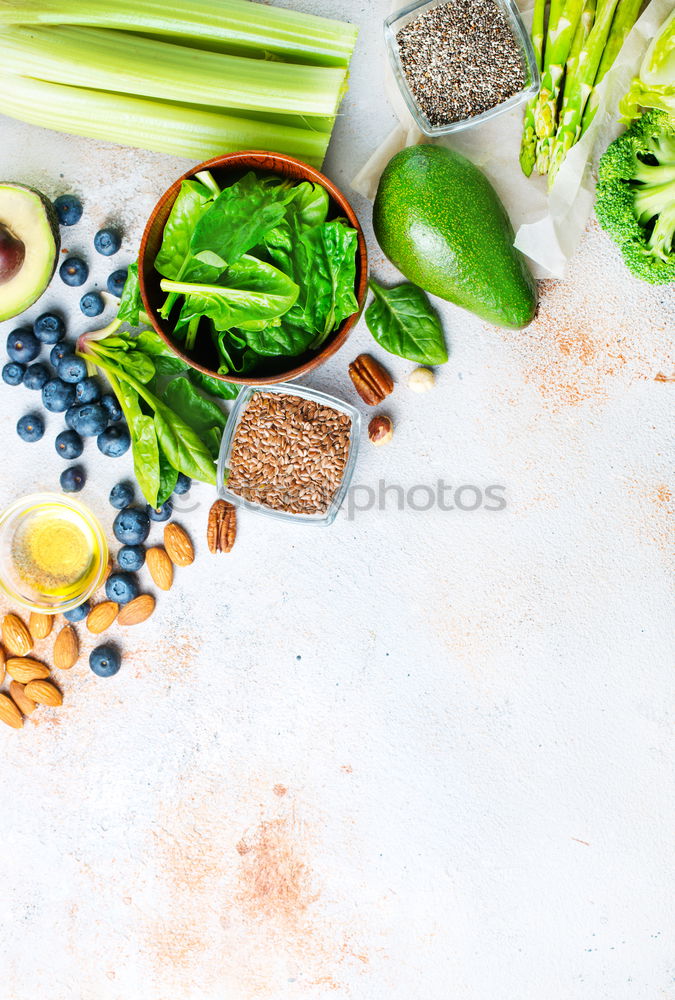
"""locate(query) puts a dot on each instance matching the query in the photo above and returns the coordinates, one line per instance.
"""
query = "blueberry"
(116, 282)
(112, 407)
(114, 441)
(70, 416)
(74, 271)
(73, 479)
(92, 304)
(121, 495)
(59, 352)
(57, 396)
(107, 242)
(13, 373)
(49, 328)
(88, 390)
(131, 526)
(31, 427)
(37, 376)
(182, 485)
(162, 513)
(79, 613)
(105, 661)
(69, 444)
(22, 345)
(72, 369)
(121, 588)
(69, 209)
(131, 557)
(89, 419)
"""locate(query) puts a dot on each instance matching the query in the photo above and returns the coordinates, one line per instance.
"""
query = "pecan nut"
(372, 382)
(221, 530)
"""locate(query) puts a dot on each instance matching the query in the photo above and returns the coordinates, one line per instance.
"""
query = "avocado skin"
(50, 241)
(440, 222)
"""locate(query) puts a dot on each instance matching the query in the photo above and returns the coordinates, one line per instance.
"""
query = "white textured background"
(415, 755)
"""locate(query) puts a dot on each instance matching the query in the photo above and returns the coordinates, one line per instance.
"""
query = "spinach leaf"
(284, 339)
(310, 204)
(201, 414)
(324, 266)
(165, 360)
(403, 321)
(146, 456)
(134, 363)
(214, 386)
(131, 304)
(182, 446)
(252, 290)
(168, 477)
(191, 203)
(233, 357)
(238, 220)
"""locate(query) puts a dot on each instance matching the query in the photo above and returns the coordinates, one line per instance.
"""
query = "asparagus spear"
(529, 140)
(581, 85)
(625, 17)
(558, 42)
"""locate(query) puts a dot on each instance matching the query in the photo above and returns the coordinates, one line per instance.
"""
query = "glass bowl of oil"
(53, 553)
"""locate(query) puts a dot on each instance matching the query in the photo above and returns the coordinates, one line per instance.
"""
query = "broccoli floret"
(636, 196)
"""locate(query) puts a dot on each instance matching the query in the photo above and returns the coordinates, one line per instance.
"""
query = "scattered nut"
(15, 636)
(66, 648)
(24, 669)
(372, 382)
(102, 616)
(43, 693)
(221, 530)
(421, 380)
(3, 660)
(40, 625)
(137, 611)
(380, 430)
(177, 543)
(24, 704)
(9, 713)
(160, 566)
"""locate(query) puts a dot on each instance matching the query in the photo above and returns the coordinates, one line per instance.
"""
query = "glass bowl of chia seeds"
(290, 452)
(461, 63)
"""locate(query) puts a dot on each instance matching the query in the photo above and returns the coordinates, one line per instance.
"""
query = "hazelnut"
(421, 380)
(380, 430)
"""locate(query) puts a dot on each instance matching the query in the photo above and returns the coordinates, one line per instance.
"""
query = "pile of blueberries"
(64, 383)
(131, 527)
(66, 388)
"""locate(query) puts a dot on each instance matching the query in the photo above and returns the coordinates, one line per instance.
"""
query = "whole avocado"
(439, 221)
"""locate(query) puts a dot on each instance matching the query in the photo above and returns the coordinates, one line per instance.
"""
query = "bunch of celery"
(193, 79)
(576, 43)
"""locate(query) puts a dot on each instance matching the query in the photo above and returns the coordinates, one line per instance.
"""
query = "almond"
(40, 625)
(23, 703)
(3, 660)
(137, 611)
(102, 616)
(15, 635)
(24, 669)
(43, 693)
(178, 545)
(9, 713)
(66, 648)
(160, 566)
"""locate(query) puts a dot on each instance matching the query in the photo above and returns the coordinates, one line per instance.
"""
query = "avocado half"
(440, 222)
(29, 247)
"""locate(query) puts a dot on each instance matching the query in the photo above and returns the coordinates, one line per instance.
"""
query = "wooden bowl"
(227, 169)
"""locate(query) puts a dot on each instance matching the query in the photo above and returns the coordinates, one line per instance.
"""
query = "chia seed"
(460, 59)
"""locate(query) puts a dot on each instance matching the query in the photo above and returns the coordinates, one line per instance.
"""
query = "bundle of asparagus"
(575, 43)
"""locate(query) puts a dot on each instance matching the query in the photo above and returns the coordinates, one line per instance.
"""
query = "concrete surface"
(415, 755)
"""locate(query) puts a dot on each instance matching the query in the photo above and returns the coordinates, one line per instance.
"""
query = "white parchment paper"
(548, 224)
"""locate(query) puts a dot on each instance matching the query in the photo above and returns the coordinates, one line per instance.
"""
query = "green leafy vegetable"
(214, 386)
(403, 322)
(192, 202)
(202, 415)
(131, 304)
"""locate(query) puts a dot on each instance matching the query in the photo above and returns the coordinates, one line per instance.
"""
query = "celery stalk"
(126, 63)
(166, 128)
(236, 25)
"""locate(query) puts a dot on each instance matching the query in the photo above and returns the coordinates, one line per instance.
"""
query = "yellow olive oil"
(55, 552)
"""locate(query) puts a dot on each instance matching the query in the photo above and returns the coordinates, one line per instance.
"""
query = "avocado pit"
(12, 254)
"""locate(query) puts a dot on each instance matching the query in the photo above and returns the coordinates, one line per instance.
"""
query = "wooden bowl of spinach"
(253, 268)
